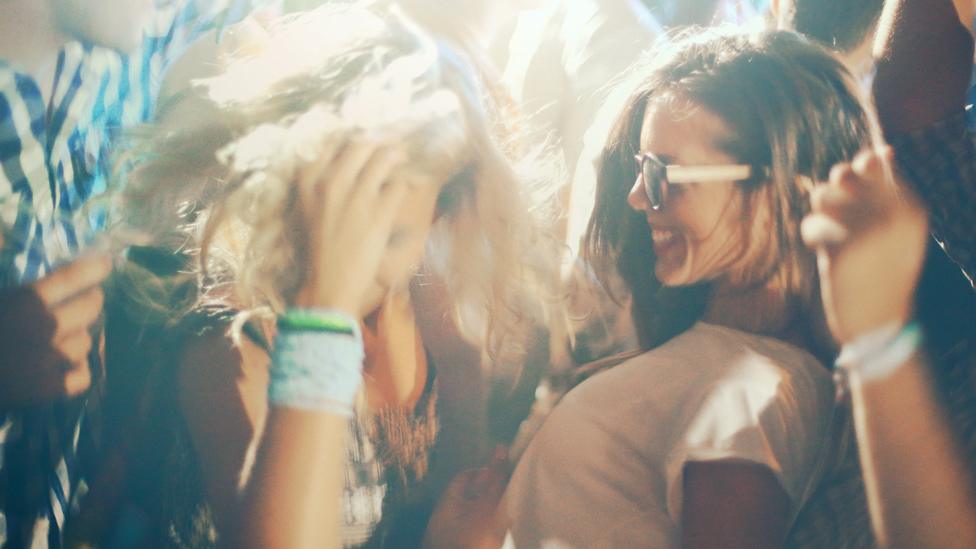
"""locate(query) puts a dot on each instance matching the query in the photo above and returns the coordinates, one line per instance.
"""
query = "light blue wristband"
(879, 353)
(316, 371)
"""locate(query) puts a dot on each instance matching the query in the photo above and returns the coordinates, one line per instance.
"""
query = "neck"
(763, 310)
(766, 311)
(29, 38)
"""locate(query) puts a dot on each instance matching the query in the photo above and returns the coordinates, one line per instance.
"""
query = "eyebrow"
(666, 158)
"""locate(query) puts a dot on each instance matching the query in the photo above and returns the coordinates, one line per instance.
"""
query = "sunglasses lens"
(653, 182)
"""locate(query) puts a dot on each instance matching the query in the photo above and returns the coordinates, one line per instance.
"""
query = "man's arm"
(924, 61)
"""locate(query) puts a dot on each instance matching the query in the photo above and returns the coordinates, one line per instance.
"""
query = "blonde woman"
(296, 152)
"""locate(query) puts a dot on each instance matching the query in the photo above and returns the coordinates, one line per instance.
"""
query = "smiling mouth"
(666, 243)
(662, 236)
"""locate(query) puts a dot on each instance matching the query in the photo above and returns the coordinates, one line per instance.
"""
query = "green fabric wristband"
(311, 320)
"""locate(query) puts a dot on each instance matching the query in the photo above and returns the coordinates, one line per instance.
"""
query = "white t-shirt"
(605, 470)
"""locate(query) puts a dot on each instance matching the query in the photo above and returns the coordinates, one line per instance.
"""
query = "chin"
(672, 278)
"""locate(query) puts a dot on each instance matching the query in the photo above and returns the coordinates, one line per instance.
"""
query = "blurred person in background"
(72, 74)
(845, 26)
(560, 63)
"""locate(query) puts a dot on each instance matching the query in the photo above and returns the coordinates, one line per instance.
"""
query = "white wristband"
(878, 354)
(316, 371)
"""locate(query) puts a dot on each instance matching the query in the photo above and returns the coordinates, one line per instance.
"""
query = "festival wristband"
(318, 320)
(319, 371)
(878, 354)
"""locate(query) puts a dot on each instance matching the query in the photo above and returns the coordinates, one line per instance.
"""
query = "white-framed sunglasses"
(656, 176)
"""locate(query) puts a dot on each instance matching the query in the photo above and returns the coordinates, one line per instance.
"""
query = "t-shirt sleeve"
(778, 424)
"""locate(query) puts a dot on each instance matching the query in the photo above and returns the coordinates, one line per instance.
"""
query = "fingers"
(346, 173)
(68, 382)
(821, 231)
(76, 380)
(380, 168)
(840, 191)
(75, 348)
(76, 277)
(387, 204)
(874, 164)
(850, 201)
(50, 380)
(77, 314)
(311, 176)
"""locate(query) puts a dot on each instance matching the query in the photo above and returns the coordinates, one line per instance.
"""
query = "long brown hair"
(793, 109)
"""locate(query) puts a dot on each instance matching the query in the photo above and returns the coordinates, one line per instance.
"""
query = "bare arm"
(871, 240)
(965, 10)
(347, 202)
(297, 476)
(731, 504)
(293, 497)
(223, 397)
(917, 485)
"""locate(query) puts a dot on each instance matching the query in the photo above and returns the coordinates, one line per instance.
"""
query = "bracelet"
(318, 320)
(878, 354)
(318, 371)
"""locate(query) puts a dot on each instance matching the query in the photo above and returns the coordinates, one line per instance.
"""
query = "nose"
(637, 197)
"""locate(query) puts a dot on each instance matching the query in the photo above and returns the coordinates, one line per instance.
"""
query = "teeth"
(662, 236)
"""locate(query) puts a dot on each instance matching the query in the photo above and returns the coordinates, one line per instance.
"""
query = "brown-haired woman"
(714, 436)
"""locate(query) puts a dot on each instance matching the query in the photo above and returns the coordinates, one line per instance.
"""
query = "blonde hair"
(222, 168)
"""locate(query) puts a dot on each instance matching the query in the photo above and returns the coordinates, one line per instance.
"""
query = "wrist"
(316, 362)
(312, 298)
(875, 355)
(319, 319)
(877, 316)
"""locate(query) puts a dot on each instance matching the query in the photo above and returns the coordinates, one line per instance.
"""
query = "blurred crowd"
(510, 273)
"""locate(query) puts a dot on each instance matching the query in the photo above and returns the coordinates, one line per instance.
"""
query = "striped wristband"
(318, 320)
(317, 369)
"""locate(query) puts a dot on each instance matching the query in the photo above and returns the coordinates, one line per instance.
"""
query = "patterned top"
(53, 162)
(940, 163)
(387, 459)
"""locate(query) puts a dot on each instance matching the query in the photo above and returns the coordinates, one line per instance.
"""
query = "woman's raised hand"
(349, 197)
(870, 236)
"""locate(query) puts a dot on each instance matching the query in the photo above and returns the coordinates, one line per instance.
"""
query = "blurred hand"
(45, 333)
(349, 197)
(870, 236)
(467, 514)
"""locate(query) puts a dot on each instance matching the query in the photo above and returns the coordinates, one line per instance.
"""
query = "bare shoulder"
(215, 372)
(222, 396)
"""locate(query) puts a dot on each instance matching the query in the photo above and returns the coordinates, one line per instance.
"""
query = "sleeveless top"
(387, 458)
